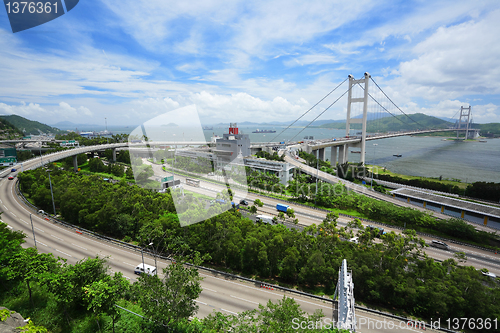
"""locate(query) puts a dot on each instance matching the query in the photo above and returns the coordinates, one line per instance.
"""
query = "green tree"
(30, 265)
(259, 203)
(102, 295)
(171, 298)
(129, 173)
(253, 209)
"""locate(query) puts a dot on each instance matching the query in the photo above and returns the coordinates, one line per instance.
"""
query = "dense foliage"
(388, 273)
(272, 157)
(82, 297)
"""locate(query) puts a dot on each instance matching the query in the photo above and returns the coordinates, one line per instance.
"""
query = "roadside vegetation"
(393, 274)
(60, 297)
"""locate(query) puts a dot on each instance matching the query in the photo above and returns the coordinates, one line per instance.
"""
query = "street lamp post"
(52, 193)
(33, 229)
(142, 254)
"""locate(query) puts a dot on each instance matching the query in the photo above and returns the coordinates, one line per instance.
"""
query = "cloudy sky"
(131, 60)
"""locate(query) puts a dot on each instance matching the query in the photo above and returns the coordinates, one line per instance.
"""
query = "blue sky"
(129, 61)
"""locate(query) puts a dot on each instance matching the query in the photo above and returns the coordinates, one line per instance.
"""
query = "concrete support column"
(321, 154)
(114, 154)
(333, 156)
(341, 154)
(75, 163)
(315, 153)
(346, 153)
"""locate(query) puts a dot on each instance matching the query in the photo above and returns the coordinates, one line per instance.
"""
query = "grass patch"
(384, 171)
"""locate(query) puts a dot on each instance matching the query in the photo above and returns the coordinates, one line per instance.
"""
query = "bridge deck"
(450, 202)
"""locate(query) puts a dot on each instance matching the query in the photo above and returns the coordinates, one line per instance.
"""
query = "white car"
(354, 240)
(148, 269)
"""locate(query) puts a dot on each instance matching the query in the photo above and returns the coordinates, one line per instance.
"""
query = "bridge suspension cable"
(321, 100)
(383, 92)
(384, 107)
(329, 106)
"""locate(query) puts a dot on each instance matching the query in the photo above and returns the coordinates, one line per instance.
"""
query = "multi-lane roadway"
(219, 292)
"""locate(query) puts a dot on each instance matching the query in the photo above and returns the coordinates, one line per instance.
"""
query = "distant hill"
(398, 123)
(8, 131)
(27, 126)
(491, 129)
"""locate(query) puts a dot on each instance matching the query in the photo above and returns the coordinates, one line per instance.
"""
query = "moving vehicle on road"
(282, 208)
(145, 268)
(264, 219)
(440, 245)
(11, 177)
(13, 170)
(243, 202)
(380, 231)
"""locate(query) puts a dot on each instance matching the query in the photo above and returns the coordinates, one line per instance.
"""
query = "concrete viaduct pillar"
(75, 163)
(333, 156)
(342, 154)
(114, 154)
(321, 154)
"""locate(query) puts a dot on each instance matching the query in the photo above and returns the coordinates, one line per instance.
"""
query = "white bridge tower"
(344, 316)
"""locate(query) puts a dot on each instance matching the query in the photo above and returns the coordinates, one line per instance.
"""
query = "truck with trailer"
(282, 208)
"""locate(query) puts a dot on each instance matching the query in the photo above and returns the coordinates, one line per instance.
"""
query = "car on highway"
(440, 245)
(243, 202)
(11, 177)
(13, 170)
(380, 231)
(145, 268)
(489, 274)
(42, 212)
(354, 240)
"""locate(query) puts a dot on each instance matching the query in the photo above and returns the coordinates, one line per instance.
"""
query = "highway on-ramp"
(220, 293)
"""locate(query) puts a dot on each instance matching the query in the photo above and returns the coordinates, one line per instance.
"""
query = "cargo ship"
(263, 131)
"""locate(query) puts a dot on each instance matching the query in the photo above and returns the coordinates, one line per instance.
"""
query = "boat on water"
(355, 151)
(264, 131)
(397, 155)
(208, 128)
(483, 141)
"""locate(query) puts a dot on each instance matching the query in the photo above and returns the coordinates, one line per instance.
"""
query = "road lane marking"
(128, 264)
(79, 246)
(229, 311)
(57, 238)
(244, 299)
(5, 207)
(200, 302)
(43, 243)
(24, 221)
(39, 229)
(69, 255)
(210, 289)
(14, 214)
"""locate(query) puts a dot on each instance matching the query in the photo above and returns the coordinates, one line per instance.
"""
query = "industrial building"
(234, 145)
(8, 155)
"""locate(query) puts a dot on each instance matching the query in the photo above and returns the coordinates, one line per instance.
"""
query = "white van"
(440, 245)
(148, 269)
(264, 219)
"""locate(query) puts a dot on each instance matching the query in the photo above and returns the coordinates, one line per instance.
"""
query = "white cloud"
(311, 59)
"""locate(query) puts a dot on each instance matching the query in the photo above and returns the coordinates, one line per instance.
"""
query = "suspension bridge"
(383, 113)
